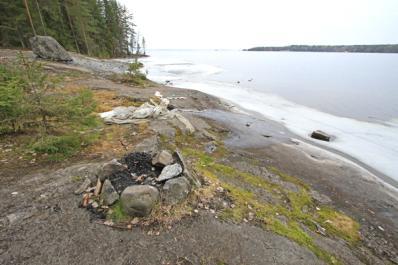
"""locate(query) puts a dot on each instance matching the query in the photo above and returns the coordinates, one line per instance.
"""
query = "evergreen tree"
(101, 28)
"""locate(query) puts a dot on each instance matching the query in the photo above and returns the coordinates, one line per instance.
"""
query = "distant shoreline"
(382, 48)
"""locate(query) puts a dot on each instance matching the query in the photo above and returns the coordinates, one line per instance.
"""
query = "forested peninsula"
(383, 48)
(101, 28)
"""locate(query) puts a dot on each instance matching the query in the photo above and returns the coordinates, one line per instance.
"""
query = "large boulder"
(139, 200)
(175, 190)
(47, 47)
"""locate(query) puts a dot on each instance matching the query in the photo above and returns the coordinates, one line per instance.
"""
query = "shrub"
(29, 102)
(12, 101)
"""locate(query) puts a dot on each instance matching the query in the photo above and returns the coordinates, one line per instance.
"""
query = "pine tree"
(95, 27)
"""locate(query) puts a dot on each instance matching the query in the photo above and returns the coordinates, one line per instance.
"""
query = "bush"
(12, 101)
(30, 103)
(66, 145)
(134, 75)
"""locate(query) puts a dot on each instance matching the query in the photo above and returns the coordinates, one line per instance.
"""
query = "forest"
(383, 48)
(101, 28)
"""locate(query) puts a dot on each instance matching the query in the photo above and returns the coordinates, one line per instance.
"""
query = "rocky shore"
(264, 195)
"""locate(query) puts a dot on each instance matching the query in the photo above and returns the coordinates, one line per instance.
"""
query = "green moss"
(117, 214)
(293, 231)
(288, 178)
(339, 224)
(246, 200)
(76, 178)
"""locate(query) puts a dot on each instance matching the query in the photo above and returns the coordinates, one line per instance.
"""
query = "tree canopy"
(102, 28)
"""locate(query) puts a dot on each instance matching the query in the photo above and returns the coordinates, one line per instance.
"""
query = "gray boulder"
(109, 168)
(170, 172)
(149, 145)
(320, 135)
(139, 200)
(108, 193)
(163, 158)
(47, 47)
(175, 190)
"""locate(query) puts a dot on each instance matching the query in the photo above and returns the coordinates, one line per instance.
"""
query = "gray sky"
(237, 24)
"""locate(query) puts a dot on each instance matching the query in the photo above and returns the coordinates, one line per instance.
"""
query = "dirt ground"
(40, 222)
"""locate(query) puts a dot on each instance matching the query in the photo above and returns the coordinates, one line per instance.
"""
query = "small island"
(382, 48)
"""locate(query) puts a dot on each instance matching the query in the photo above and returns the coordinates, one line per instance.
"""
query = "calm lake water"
(352, 96)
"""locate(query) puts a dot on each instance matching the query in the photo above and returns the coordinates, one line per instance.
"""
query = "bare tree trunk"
(41, 18)
(30, 17)
(71, 27)
(85, 39)
(21, 39)
(60, 16)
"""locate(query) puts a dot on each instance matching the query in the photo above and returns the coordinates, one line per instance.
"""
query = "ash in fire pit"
(121, 180)
(139, 164)
(139, 182)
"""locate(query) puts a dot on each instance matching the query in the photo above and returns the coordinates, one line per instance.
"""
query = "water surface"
(351, 96)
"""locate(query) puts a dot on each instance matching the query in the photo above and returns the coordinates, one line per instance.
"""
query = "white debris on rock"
(152, 109)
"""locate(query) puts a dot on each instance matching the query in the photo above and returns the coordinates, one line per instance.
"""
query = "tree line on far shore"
(383, 48)
(102, 28)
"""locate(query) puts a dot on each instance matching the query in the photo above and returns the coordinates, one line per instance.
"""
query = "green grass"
(118, 215)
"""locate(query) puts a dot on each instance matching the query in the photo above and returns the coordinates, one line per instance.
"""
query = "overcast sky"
(237, 24)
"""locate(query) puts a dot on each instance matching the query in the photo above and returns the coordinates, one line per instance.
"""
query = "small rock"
(84, 186)
(210, 148)
(139, 200)
(108, 193)
(12, 218)
(251, 216)
(162, 159)
(170, 172)
(135, 221)
(220, 189)
(320, 135)
(175, 190)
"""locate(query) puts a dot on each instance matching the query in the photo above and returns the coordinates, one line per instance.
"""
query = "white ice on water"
(374, 144)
